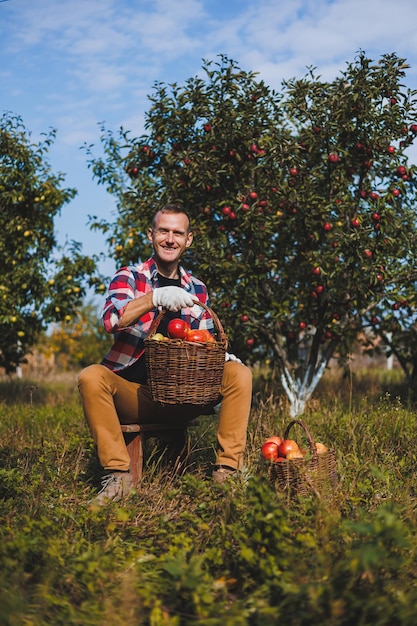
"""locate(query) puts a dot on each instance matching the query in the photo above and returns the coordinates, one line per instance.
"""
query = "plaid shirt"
(132, 282)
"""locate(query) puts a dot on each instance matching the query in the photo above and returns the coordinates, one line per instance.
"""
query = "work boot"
(223, 473)
(114, 486)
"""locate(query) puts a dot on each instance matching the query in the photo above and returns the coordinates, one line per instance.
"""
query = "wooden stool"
(135, 434)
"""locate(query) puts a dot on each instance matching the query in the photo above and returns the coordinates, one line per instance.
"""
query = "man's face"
(170, 237)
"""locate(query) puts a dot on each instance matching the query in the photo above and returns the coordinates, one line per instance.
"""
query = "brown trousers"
(109, 400)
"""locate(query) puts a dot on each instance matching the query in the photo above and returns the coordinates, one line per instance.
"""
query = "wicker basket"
(316, 474)
(185, 372)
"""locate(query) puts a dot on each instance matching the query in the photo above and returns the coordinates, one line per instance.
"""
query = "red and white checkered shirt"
(129, 283)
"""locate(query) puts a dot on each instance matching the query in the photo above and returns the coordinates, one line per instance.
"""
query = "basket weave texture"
(300, 477)
(185, 372)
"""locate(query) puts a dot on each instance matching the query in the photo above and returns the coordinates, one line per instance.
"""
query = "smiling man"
(115, 391)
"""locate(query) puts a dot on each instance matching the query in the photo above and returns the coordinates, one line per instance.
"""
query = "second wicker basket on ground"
(183, 372)
(314, 474)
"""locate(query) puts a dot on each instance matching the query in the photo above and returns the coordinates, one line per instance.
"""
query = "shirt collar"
(153, 269)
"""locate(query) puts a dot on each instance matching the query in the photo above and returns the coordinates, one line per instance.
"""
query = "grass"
(186, 551)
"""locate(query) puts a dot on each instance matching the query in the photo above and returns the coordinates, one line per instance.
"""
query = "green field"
(186, 551)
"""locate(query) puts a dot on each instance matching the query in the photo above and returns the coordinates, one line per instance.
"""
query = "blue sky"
(71, 64)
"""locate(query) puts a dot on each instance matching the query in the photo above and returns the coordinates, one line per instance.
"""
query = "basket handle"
(216, 320)
(311, 443)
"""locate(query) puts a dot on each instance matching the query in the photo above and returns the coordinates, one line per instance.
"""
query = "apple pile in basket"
(276, 450)
(179, 329)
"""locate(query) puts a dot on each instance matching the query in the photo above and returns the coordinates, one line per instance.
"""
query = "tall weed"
(184, 550)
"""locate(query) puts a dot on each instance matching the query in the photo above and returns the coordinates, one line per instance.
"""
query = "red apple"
(355, 222)
(199, 335)
(178, 329)
(250, 342)
(327, 226)
(269, 450)
(275, 439)
(333, 157)
(244, 317)
(253, 195)
(286, 446)
(226, 210)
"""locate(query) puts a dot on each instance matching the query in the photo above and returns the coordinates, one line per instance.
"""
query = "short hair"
(172, 207)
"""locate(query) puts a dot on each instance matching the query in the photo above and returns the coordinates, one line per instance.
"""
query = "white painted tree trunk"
(300, 391)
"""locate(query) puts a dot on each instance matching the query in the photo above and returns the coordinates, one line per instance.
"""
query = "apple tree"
(40, 282)
(303, 205)
(78, 342)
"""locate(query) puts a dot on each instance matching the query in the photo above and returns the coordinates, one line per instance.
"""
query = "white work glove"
(172, 298)
(232, 357)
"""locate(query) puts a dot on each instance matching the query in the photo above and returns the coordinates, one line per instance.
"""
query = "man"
(116, 392)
